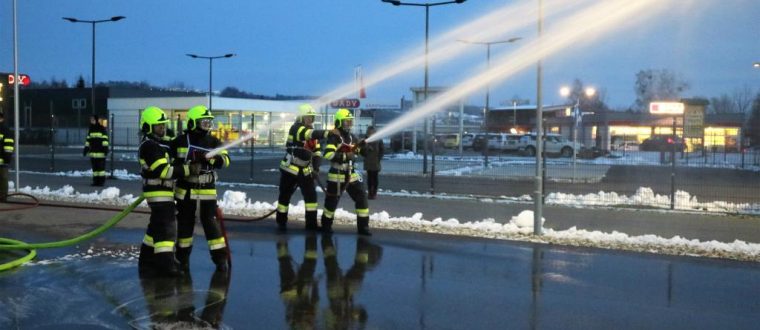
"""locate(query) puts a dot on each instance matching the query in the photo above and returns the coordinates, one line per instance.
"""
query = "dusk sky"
(309, 47)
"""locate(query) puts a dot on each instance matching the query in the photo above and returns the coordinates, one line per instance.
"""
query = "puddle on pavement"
(391, 280)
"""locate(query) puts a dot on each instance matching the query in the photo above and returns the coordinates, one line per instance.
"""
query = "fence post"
(111, 142)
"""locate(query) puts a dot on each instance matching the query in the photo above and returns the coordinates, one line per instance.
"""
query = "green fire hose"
(9, 244)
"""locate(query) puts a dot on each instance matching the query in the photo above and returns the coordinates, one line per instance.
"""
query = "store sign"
(694, 121)
(666, 108)
(345, 103)
(24, 79)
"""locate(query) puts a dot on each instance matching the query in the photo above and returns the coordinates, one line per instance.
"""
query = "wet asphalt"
(392, 280)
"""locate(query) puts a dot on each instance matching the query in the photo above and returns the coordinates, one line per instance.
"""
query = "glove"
(218, 161)
(195, 168)
(349, 156)
(315, 162)
(85, 151)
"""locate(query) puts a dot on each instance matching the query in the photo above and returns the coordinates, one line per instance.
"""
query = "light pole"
(589, 92)
(488, 86)
(210, 68)
(427, 6)
(92, 82)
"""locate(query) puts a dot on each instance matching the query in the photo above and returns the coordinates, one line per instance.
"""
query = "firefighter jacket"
(302, 149)
(96, 144)
(341, 150)
(6, 154)
(158, 170)
(191, 147)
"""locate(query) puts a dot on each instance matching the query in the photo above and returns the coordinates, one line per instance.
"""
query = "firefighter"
(341, 150)
(6, 155)
(301, 162)
(159, 173)
(96, 147)
(197, 192)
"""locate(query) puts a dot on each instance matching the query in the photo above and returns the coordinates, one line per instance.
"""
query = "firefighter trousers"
(288, 185)
(157, 248)
(98, 171)
(186, 209)
(357, 193)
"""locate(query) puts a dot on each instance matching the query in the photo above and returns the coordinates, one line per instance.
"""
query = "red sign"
(345, 103)
(24, 79)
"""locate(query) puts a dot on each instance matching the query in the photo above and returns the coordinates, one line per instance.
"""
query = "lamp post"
(588, 92)
(210, 68)
(427, 6)
(488, 86)
(92, 81)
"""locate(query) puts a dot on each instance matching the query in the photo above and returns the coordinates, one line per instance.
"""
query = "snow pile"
(645, 196)
(107, 196)
(517, 228)
(237, 203)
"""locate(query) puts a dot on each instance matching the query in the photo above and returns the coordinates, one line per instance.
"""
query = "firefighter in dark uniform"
(198, 192)
(159, 174)
(6, 155)
(341, 150)
(300, 163)
(96, 147)
(299, 290)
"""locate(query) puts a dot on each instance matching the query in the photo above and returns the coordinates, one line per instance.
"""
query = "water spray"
(444, 47)
(237, 142)
(598, 19)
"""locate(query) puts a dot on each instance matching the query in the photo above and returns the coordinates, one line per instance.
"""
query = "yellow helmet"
(196, 113)
(152, 116)
(341, 115)
(306, 110)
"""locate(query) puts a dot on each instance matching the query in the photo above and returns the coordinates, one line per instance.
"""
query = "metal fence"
(716, 180)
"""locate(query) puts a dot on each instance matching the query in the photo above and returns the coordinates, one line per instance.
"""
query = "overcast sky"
(311, 46)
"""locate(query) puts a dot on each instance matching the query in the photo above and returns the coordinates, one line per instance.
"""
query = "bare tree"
(753, 124)
(743, 98)
(657, 85)
(739, 101)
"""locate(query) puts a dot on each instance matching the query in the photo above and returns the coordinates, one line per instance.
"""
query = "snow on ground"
(517, 228)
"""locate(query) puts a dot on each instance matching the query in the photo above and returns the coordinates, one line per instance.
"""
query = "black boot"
(362, 226)
(327, 225)
(311, 221)
(282, 222)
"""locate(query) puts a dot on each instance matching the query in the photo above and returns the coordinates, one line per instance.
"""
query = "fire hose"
(10, 244)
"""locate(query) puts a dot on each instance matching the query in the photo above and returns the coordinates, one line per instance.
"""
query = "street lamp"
(427, 6)
(565, 92)
(756, 65)
(210, 66)
(488, 86)
(92, 82)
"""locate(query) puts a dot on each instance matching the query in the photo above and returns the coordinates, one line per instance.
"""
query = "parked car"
(662, 143)
(555, 144)
(497, 141)
(450, 141)
(467, 140)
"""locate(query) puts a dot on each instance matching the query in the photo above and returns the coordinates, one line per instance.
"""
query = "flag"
(360, 82)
